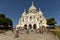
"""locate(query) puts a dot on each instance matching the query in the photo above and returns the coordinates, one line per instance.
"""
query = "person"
(4, 32)
(43, 29)
(47, 29)
(40, 30)
(22, 29)
(27, 31)
(37, 30)
(17, 33)
(12, 30)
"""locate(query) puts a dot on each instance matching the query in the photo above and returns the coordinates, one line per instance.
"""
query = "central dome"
(32, 7)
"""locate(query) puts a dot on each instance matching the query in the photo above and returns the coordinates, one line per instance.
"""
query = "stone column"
(27, 29)
(27, 26)
(37, 26)
(32, 27)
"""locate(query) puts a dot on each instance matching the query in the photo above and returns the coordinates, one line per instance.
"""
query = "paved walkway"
(23, 36)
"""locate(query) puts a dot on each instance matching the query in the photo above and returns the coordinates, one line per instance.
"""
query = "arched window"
(30, 26)
(37, 19)
(23, 20)
(30, 18)
(30, 11)
(25, 26)
(40, 21)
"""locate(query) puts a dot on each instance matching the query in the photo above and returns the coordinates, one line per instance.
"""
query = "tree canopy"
(51, 21)
(5, 21)
(2, 16)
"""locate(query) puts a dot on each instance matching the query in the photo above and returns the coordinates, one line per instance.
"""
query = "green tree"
(51, 21)
(2, 16)
(6, 22)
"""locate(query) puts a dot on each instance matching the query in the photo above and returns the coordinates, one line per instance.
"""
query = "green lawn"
(56, 33)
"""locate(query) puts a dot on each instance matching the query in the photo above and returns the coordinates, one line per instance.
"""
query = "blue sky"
(13, 8)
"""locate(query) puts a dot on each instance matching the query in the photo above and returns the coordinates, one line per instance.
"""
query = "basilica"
(33, 19)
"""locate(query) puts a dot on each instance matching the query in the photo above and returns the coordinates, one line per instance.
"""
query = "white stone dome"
(24, 13)
(32, 7)
(40, 12)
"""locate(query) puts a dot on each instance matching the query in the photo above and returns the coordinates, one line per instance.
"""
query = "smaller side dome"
(40, 12)
(24, 13)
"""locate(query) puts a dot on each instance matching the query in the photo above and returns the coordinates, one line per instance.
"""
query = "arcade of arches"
(30, 26)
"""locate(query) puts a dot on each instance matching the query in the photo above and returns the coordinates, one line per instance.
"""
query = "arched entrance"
(25, 26)
(34, 26)
(30, 26)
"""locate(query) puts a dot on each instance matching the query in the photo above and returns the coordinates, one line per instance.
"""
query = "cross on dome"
(32, 3)
(39, 9)
(24, 11)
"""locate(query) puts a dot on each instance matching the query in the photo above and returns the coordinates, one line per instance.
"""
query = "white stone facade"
(32, 19)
